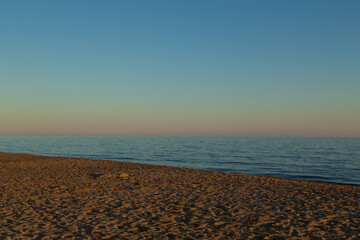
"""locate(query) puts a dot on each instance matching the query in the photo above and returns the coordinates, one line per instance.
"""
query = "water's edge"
(332, 160)
(336, 183)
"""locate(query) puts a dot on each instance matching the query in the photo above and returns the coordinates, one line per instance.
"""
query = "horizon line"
(248, 136)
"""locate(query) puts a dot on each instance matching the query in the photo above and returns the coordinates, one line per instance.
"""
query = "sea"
(335, 160)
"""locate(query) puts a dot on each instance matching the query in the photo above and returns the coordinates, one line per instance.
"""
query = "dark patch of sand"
(56, 197)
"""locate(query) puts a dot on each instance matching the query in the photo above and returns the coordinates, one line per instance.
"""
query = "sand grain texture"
(58, 197)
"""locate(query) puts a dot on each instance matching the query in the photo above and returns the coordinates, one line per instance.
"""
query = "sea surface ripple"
(334, 160)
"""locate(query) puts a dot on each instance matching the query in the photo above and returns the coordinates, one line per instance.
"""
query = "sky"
(179, 68)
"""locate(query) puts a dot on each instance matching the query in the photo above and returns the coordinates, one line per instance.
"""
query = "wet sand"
(72, 198)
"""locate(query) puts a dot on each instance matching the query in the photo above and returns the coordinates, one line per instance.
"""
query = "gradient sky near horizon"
(236, 68)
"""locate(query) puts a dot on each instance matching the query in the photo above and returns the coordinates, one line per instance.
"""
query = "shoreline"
(47, 197)
(103, 159)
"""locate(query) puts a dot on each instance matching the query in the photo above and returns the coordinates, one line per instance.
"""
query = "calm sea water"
(320, 159)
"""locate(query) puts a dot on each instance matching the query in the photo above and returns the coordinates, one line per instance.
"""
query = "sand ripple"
(54, 197)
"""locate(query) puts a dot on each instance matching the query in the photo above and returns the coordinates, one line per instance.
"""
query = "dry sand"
(57, 197)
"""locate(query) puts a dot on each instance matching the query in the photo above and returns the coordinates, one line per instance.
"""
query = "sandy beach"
(72, 198)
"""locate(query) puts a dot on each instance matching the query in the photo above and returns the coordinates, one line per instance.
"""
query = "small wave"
(221, 169)
(173, 160)
(123, 158)
(240, 163)
(160, 155)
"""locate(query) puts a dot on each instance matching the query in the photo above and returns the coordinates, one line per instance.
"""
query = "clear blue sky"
(280, 68)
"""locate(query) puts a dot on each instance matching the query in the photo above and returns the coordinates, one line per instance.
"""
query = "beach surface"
(72, 198)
